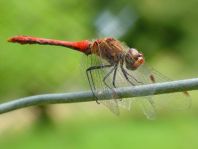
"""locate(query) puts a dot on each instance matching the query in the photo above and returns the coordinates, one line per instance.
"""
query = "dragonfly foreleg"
(125, 75)
(133, 77)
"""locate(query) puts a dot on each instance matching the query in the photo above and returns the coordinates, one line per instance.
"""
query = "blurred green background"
(165, 31)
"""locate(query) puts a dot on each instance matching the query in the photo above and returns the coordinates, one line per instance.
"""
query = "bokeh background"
(165, 31)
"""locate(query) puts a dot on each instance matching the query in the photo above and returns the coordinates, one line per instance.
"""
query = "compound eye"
(134, 51)
(140, 55)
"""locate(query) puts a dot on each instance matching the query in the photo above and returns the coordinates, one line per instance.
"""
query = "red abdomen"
(82, 46)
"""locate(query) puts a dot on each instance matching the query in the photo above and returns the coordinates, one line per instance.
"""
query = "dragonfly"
(111, 64)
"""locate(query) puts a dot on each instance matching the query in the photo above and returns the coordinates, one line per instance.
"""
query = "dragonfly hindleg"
(114, 77)
(90, 77)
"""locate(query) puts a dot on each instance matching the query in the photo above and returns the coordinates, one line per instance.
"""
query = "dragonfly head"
(133, 59)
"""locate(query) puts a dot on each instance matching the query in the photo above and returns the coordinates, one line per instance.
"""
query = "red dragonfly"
(112, 64)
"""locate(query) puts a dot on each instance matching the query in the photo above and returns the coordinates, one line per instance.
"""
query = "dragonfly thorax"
(133, 59)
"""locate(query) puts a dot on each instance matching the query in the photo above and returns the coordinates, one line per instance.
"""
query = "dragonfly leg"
(91, 83)
(114, 77)
(125, 75)
(133, 77)
(90, 77)
(107, 75)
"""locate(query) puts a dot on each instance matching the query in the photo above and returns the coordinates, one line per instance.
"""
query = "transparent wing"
(148, 75)
(136, 78)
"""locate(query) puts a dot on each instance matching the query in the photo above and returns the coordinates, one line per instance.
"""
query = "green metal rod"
(125, 92)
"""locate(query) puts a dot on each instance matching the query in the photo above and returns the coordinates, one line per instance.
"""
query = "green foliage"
(168, 26)
(109, 133)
